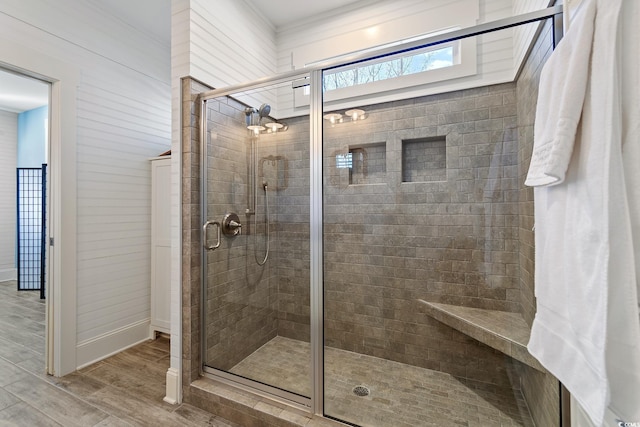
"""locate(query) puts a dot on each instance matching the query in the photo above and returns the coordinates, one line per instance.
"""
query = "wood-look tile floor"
(123, 390)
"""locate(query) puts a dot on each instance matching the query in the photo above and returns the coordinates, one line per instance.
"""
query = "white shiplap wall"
(8, 153)
(117, 133)
(230, 43)
(123, 118)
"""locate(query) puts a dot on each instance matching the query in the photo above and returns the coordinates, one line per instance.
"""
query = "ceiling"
(154, 16)
(283, 12)
(18, 94)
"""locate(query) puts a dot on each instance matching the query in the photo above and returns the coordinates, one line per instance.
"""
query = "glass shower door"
(420, 226)
(256, 249)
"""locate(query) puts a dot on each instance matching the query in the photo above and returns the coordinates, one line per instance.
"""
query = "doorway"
(24, 158)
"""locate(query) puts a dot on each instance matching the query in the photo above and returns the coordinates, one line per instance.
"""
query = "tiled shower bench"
(504, 331)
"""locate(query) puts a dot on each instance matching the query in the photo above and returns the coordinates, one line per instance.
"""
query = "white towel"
(624, 361)
(586, 330)
(563, 84)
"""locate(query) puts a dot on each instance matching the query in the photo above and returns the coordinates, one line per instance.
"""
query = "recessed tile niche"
(368, 163)
(424, 159)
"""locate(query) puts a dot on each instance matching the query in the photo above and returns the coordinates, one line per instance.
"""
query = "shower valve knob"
(231, 225)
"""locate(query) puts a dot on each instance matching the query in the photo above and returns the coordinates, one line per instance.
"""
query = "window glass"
(413, 63)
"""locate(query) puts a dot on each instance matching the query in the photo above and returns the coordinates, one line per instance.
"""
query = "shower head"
(264, 110)
(254, 117)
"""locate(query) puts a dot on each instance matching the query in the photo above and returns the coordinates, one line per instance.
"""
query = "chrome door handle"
(205, 240)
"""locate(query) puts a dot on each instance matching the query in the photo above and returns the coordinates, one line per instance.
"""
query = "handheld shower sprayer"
(264, 110)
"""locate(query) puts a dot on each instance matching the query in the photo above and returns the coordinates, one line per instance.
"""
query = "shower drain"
(361, 391)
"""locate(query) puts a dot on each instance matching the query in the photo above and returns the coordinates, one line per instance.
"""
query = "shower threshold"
(398, 394)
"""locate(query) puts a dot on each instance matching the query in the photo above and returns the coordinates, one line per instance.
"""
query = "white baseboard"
(8, 274)
(96, 349)
(173, 387)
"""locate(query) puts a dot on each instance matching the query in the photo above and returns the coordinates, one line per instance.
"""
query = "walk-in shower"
(385, 278)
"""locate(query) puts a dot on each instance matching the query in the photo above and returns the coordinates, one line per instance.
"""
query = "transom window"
(428, 59)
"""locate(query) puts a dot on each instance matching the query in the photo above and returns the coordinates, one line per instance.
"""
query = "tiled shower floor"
(400, 395)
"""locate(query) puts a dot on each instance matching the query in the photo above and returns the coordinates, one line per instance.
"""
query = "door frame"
(303, 403)
(60, 351)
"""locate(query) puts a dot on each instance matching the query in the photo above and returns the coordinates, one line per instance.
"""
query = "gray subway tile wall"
(445, 230)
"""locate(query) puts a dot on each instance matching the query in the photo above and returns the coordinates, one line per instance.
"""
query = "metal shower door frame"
(304, 403)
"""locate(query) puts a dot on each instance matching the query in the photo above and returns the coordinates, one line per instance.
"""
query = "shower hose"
(255, 227)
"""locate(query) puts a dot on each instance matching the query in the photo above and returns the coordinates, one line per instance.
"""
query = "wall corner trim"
(172, 389)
